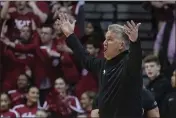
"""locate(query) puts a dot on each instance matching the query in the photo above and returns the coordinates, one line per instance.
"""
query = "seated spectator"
(46, 67)
(69, 68)
(88, 81)
(22, 16)
(169, 104)
(93, 29)
(61, 104)
(5, 107)
(87, 103)
(159, 85)
(165, 47)
(19, 95)
(63, 9)
(30, 108)
(16, 62)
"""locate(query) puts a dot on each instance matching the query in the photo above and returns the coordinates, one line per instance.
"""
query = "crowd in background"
(40, 76)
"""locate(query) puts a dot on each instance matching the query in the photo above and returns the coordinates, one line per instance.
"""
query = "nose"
(104, 43)
(42, 35)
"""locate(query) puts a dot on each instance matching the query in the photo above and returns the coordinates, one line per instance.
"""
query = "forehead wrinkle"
(113, 35)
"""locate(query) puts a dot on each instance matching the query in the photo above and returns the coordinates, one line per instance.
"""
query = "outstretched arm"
(91, 63)
(135, 52)
(4, 12)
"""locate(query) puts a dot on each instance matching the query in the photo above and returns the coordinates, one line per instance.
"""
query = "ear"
(122, 45)
(91, 101)
(10, 102)
(97, 50)
(27, 96)
(159, 67)
(53, 36)
(67, 86)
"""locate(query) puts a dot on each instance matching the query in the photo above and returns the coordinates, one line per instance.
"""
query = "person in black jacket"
(150, 108)
(159, 85)
(119, 73)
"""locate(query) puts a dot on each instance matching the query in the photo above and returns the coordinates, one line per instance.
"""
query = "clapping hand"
(66, 26)
(131, 29)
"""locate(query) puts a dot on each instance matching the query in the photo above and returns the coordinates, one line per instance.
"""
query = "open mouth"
(105, 48)
(150, 73)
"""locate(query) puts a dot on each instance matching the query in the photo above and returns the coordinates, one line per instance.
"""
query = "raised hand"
(4, 29)
(66, 26)
(131, 29)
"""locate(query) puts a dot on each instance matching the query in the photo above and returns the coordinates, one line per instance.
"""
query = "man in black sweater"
(119, 73)
(150, 108)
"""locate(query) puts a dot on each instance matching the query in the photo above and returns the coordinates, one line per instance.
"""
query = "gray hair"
(119, 31)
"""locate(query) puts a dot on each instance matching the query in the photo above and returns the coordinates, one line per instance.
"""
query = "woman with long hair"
(5, 107)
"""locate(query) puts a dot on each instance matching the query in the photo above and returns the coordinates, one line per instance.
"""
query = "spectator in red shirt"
(21, 17)
(15, 62)
(32, 104)
(40, 9)
(61, 103)
(66, 10)
(5, 110)
(87, 102)
(69, 68)
(47, 60)
(88, 80)
(18, 95)
(55, 15)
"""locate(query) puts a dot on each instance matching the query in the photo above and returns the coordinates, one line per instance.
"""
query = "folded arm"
(27, 48)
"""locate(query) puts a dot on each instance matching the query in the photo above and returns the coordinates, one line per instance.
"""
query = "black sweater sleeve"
(134, 62)
(148, 100)
(89, 62)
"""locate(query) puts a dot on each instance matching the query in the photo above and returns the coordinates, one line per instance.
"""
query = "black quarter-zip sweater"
(120, 80)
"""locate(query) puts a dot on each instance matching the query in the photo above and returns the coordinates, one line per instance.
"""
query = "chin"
(151, 77)
(105, 56)
(83, 106)
(34, 101)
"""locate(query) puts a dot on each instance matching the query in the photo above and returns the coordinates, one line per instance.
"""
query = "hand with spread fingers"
(66, 26)
(131, 29)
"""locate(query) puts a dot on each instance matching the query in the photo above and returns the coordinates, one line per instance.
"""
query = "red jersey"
(9, 114)
(74, 104)
(20, 20)
(88, 82)
(18, 97)
(14, 66)
(26, 111)
(46, 68)
(63, 107)
(71, 73)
